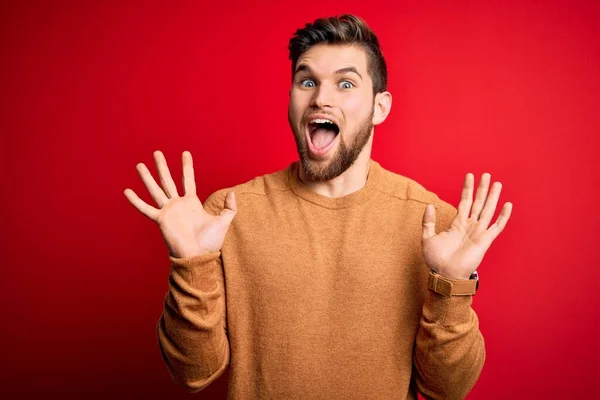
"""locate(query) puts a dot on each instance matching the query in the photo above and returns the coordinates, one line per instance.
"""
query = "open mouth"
(322, 133)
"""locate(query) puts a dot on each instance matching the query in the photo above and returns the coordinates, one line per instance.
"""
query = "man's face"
(331, 109)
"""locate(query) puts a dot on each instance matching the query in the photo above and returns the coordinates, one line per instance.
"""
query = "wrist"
(189, 252)
(453, 275)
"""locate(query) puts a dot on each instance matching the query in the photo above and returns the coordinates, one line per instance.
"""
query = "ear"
(382, 106)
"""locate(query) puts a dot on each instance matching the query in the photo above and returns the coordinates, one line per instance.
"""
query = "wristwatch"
(453, 287)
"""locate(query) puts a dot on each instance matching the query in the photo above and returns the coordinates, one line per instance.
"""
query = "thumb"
(429, 222)
(230, 208)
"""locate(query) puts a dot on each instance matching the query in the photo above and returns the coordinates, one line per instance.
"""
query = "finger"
(165, 175)
(481, 195)
(466, 197)
(230, 208)
(501, 222)
(141, 205)
(155, 191)
(490, 204)
(429, 222)
(189, 183)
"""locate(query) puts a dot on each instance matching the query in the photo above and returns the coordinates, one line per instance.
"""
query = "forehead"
(325, 59)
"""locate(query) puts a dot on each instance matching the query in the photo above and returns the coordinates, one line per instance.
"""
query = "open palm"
(458, 251)
(187, 228)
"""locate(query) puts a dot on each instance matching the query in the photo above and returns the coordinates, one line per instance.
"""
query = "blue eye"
(346, 85)
(307, 83)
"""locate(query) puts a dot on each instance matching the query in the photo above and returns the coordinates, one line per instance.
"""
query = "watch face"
(475, 276)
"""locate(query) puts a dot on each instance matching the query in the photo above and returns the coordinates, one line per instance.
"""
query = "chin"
(326, 169)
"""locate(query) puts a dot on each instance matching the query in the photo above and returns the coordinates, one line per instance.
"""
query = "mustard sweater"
(313, 297)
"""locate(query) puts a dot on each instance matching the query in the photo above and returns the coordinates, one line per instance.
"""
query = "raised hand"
(457, 252)
(187, 228)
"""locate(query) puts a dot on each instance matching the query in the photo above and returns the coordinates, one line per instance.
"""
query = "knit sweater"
(313, 297)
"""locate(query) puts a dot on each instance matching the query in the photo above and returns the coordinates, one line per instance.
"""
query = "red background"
(89, 89)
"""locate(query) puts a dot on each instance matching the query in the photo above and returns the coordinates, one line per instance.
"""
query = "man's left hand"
(457, 252)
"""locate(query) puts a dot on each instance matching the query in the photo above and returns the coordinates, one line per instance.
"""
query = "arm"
(192, 330)
(449, 352)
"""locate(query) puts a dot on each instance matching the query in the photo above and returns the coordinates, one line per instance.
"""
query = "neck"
(350, 181)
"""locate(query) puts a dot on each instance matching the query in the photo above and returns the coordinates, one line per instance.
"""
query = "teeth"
(321, 121)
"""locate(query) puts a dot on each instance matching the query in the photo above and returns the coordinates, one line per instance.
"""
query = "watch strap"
(452, 287)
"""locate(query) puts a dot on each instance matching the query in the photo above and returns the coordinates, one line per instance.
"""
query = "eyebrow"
(306, 68)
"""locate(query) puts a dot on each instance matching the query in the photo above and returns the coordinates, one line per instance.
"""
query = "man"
(326, 280)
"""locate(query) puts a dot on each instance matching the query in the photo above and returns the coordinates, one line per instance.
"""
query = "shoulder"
(260, 186)
(403, 188)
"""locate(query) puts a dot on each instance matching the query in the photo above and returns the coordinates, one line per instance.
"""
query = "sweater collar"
(297, 186)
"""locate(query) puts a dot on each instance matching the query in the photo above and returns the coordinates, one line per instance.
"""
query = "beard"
(342, 159)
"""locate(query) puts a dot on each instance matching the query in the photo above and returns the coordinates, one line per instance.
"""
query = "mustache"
(305, 117)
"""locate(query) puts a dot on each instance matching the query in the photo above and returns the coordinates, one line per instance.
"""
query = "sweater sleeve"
(449, 351)
(192, 331)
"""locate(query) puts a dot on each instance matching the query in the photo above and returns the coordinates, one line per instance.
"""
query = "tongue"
(322, 138)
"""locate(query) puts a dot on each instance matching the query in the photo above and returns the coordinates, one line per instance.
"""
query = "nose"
(323, 96)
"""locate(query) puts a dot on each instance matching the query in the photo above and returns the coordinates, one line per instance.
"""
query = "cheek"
(294, 111)
(298, 102)
(356, 109)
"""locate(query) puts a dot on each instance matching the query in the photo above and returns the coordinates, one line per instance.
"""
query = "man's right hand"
(188, 230)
